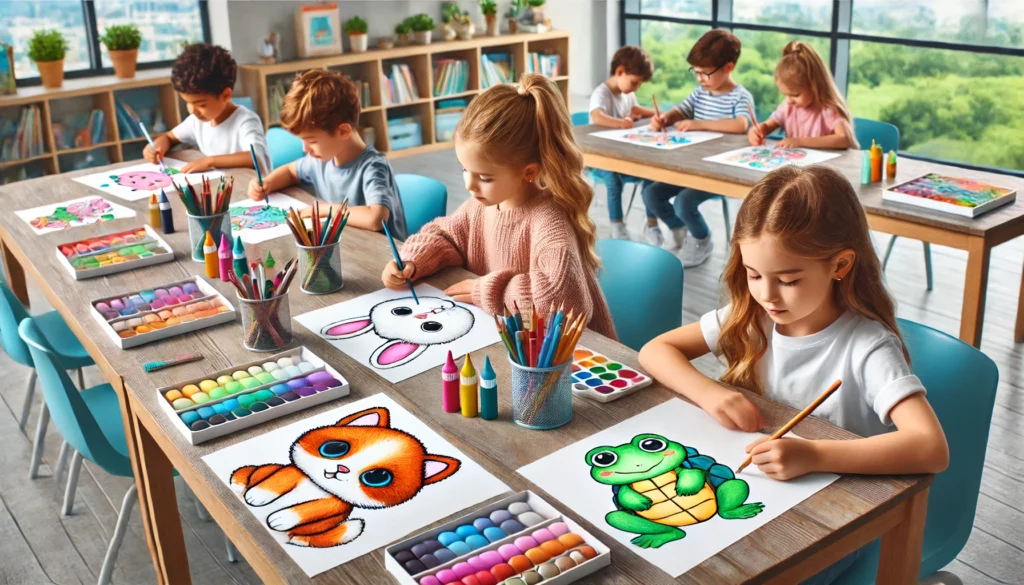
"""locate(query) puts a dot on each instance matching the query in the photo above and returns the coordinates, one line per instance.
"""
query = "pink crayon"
(224, 257)
(450, 385)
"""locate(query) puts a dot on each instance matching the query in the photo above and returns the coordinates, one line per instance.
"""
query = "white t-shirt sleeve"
(186, 131)
(250, 131)
(601, 99)
(887, 378)
(711, 326)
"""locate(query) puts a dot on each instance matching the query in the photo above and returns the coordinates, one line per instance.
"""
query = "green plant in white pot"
(47, 48)
(122, 42)
(356, 28)
(422, 28)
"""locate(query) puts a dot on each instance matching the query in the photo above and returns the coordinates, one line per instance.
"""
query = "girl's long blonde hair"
(802, 68)
(816, 213)
(529, 123)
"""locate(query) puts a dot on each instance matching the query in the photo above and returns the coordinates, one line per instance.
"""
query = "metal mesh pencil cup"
(198, 226)
(541, 397)
(266, 324)
(320, 269)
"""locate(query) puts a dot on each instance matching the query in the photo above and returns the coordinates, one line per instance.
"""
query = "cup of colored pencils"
(540, 351)
(207, 210)
(263, 304)
(319, 249)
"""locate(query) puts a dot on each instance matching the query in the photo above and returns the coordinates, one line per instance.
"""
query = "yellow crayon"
(210, 256)
(468, 389)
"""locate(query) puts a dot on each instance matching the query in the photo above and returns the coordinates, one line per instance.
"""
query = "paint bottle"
(865, 168)
(468, 389)
(450, 385)
(488, 392)
(890, 165)
(154, 211)
(224, 258)
(876, 162)
(238, 254)
(166, 218)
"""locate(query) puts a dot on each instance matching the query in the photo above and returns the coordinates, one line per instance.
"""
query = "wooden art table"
(686, 167)
(835, 521)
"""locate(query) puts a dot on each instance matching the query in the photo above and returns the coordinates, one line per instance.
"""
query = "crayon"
(488, 392)
(269, 262)
(224, 258)
(210, 257)
(450, 385)
(238, 254)
(166, 217)
(154, 211)
(468, 389)
(398, 259)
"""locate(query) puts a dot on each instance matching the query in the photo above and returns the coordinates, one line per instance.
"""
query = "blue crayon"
(488, 391)
(240, 263)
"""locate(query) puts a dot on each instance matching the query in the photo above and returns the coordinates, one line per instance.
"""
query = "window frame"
(92, 38)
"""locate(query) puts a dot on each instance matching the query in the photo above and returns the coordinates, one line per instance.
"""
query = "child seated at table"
(526, 229)
(807, 307)
(718, 104)
(204, 76)
(613, 104)
(322, 108)
(814, 114)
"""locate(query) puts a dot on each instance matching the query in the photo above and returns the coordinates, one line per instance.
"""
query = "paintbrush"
(184, 359)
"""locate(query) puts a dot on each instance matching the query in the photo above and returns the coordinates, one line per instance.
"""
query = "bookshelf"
(259, 80)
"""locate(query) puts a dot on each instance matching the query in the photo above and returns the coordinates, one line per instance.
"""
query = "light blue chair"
(244, 101)
(961, 383)
(423, 200)
(888, 137)
(580, 118)
(284, 147)
(644, 288)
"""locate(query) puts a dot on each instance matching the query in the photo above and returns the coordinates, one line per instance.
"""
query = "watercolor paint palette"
(599, 377)
(956, 195)
(518, 540)
(113, 253)
(246, 395)
(141, 317)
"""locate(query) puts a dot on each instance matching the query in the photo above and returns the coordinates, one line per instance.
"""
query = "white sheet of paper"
(565, 475)
(396, 338)
(470, 484)
(140, 181)
(74, 213)
(768, 158)
(668, 140)
(254, 222)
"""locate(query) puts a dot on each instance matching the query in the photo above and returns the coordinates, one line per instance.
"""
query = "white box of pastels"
(130, 249)
(536, 559)
(140, 317)
(225, 402)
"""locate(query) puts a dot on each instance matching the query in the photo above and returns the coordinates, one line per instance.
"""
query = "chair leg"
(37, 444)
(62, 460)
(888, 251)
(115, 541)
(231, 550)
(200, 510)
(725, 216)
(81, 380)
(632, 196)
(30, 391)
(928, 264)
(72, 485)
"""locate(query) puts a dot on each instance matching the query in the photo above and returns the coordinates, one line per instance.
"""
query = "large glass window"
(760, 53)
(698, 9)
(164, 25)
(21, 19)
(981, 22)
(668, 44)
(805, 14)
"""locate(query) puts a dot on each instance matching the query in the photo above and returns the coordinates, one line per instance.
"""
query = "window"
(979, 22)
(668, 44)
(695, 9)
(759, 54)
(803, 14)
(164, 24)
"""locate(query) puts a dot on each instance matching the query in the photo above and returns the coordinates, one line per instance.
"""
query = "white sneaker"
(652, 235)
(619, 231)
(696, 252)
(678, 238)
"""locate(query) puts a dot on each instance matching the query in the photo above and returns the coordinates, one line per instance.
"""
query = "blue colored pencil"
(163, 169)
(398, 259)
(259, 175)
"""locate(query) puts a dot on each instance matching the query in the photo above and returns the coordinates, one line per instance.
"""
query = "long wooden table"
(686, 167)
(837, 520)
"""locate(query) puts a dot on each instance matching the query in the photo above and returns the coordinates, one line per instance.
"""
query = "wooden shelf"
(412, 103)
(456, 95)
(361, 110)
(87, 148)
(24, 161)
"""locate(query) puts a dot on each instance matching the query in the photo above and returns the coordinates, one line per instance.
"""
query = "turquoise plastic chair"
(68, 350)
(580, 118)
(888, 137)
(244, 101)
(284, 147)
(644, 288)
(424, 199)
(961, 383)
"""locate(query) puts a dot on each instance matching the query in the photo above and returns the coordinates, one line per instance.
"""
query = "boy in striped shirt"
(718, 104)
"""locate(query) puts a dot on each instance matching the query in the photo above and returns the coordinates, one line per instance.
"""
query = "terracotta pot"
(124, 62)
(513, 26)
(51, 73)
(492, 24)
(358, 42)
(422, 37)
(404, 39)
(385, 43)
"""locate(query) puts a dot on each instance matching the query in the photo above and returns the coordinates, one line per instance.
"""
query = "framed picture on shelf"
(7, 81)
(318, 30)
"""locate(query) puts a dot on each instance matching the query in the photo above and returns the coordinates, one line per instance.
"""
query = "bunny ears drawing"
(407, 328)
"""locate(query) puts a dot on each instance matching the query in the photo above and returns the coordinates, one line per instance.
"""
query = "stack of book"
(23, 139)
(80, 130)
(275, 99)
(363, 91)
(451, 76)
(401, 85)
(497, 68)
(546, 65)
(128, 121)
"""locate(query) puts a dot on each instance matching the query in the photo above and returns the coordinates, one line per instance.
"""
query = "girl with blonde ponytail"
(526, 229)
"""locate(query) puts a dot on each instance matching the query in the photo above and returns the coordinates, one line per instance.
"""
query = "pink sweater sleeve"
(438, 244)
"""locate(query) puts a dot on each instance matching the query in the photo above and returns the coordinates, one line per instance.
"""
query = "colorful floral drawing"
(144, 180)
(257, 217)
(70, 214)
(667, 139)
(657, 139)
(952, 190)
(759, 157)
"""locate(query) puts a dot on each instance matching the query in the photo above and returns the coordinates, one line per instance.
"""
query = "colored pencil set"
(319, 256)
(540, 342)
(267, 325)
(205, 203)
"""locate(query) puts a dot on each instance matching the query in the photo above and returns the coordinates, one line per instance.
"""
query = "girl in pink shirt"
(813, 115)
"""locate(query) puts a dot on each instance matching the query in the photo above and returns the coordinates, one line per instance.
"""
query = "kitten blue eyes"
(333, 449)
(376, 478)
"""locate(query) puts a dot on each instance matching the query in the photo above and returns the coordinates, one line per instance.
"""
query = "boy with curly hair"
(204, 76)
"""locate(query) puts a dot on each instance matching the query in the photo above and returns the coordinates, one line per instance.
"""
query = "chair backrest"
(12, 312)
(884, 134)
(243, 101)
(423, 199)
(580, 118)
(644, 289)
(68, 410)
(284, 147)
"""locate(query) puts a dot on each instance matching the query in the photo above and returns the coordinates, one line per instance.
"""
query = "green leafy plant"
(47, 45)
(121, 37)
(536, 3)
(488, 6)
(403, 28)
(356, 26)
(449, 11)
(515, 7)
(422, 23)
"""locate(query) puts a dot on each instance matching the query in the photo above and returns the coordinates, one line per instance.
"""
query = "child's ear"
(531, 172)
(226, 94)
(842, 263)
(344, 131)
(728, 68)
(620, 70)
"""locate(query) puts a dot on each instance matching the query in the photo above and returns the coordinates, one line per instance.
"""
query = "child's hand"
(789, 143)
(637, 113)
(755, 135)
(626, 123)
(783, 458)
(657, 123)
(197, 166)
(462, 292)
(685, 125)
(733, 411)
(150, 155)
(256, 192)
(394, 278)
(154, 155)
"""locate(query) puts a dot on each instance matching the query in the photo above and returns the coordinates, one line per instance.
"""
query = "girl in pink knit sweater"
(526, 228)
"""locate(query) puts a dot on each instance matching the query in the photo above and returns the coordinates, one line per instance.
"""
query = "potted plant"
(47, 48)
(122, 41)
(489, 8)
(422, 27)
(403, 31)
(356, 28)
(449, 19)
(514, 10)
(465, 26)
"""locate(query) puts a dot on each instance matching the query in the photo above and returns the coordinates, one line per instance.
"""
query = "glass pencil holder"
(198, 225)
(541, 397)
(266, 324)
(320, 269)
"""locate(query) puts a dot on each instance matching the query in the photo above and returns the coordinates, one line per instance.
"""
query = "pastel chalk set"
(144, 316)
(249, 394)
(518, 540)
(113, 253)
(599, 377)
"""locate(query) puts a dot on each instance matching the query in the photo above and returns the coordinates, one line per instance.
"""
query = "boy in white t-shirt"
(204, 76)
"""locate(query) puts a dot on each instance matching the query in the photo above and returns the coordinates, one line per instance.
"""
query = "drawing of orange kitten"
(359, 462)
